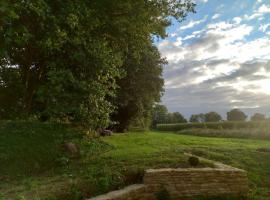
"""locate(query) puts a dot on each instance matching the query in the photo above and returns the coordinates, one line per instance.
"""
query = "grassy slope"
(240, 153)
(34, 166)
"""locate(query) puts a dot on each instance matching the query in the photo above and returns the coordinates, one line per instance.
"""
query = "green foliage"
(66, 59)
(175, 117)
(193, 161)
(29, 148)
(112, 162)
(197, 118)
(258, 117)
(160, 115)
(236, 115)
(11, 94)
(207, 117)
(227, 125)
(212, 117)
(163, 194)
(256, 133)
(139, 89)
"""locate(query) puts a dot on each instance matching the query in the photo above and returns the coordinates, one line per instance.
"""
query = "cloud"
(215, 16)
(192, 23)
(264, 27)
(263, 9)
(237, 20)
(218, 69)
(203, 1)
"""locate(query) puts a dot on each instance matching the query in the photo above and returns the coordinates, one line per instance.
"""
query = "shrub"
(194, 161)
(163, 194)
(265, 125)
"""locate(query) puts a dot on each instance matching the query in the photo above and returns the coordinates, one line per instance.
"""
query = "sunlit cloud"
(224, 65)
(263, 9)
(192, 23)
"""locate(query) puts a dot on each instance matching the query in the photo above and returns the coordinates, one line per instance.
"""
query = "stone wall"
(133, 192)
(185, 184)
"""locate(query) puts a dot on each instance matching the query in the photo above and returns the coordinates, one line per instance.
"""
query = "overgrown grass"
(111, 162)
(28, 148)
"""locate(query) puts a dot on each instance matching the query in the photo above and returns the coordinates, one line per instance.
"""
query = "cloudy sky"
(219, 58)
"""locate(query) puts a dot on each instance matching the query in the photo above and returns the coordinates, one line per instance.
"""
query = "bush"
(265, 125)
(194, 161)
(228, 133)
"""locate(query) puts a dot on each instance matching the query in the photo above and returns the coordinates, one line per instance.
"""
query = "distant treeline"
(224, 125)
(161, 116)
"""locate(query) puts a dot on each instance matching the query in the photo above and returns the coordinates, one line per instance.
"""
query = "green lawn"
(35, 168)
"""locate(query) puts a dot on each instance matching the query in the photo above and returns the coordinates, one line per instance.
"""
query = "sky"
(219, 58)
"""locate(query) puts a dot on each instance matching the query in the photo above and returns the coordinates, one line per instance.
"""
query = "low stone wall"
(133, 192)
(185, 184)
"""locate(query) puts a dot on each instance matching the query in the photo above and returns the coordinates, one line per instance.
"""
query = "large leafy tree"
(258, 117)
(68, 55)
(195, 118)
(139, 89)
(236, 115)
(212, 117)
(159, 115)
(175, 117)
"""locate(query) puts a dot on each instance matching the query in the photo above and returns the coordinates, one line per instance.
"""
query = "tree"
(212, 117)
(197, 118)
(159, 115)
(236, 115)
(71, 56)
(139, 89)
(258, 117)
(175, 117)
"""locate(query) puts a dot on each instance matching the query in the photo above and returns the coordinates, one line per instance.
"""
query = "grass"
(238, 129)
(255, 133)
(35, 167)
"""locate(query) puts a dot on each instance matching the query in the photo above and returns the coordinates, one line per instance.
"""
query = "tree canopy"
(236, 115)
(84, 61)
(258, 117)
(197, 118)
(212, 117)
(162, 116)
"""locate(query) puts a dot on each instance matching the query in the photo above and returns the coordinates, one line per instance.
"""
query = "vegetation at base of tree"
(110, 162)
(83, 61)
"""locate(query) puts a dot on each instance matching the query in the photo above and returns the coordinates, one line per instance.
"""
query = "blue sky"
(219, 58)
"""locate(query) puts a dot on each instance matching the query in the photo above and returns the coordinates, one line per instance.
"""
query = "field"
(34, 167)
(250, 129)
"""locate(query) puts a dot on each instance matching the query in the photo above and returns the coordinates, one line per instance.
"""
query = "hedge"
(214, 125)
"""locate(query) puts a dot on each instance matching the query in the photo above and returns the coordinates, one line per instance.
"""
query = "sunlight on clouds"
(264, 27)
(226, 63)
(192, 23)
(215, 16)
(263, 9)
